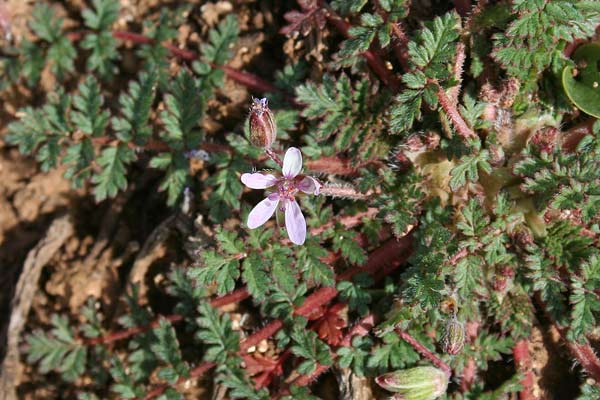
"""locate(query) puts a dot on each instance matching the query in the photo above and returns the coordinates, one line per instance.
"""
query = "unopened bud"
(453, 339)
(419, 383)
(263, 130)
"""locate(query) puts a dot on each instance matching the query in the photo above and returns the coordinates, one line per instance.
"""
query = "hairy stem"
(424, 351)
(273, 156)
(401, 45)
(450, 109)
(523, 364)
(373, 59)
(249, 80)
(348, 192)
(195, 373)
(233, 297)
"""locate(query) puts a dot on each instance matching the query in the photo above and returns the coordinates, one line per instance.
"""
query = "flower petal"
(309, 185)
(262, 212)
(258, 180)
(295, 223)
(292, 163)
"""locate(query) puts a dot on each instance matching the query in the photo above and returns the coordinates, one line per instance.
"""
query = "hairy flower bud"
(263, 130)
(419, 383)
(453, 340)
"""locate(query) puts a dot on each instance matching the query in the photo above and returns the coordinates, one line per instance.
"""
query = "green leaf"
(185, 107)
(166, 348)
(217, 50)
(57, 351)
(111, 178)
(103, 16)
(354, 293)
(308, 346)
(44, 24)
(582, 88)
(585, 300)
(176, 176)
(216, 333)
(435, 46)
(61, 56)
(103, 47)
(135, 106)
(468, 167)
(255, 276)
(88, 115)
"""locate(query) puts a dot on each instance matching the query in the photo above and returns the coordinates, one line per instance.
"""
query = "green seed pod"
(263, 130)
(419, 383)
(453, 339)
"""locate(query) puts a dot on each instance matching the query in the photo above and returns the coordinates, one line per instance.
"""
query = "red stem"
(249, 80)
(584, 353)
(468, 375)
(374, 61)
(450, 109)
(401, 45)
(424, 351)
(587, 358)
(524, 365)
(573, 136)
(233, 297)
(463, 7)
(195, 373)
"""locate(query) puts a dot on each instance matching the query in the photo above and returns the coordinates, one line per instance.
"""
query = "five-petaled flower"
(287, 187)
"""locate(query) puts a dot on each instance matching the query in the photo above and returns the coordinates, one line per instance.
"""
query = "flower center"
(286, 188)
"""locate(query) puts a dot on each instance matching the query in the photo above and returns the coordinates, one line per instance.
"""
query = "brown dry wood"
(57, 234)
(352, 386)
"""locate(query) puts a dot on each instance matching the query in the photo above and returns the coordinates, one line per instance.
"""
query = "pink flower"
(287, 186)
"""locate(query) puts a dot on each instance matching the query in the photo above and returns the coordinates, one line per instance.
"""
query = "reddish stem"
(401, 45)
(424, 351)
(264, 333)
(392, 252)
(573, 136)
(587, 358)
(524, 365)
(195, 373)
(583, 352)
(457, 71)
(349, 221)
(468, 375)
(450, 109)
(230, 298)
(334, 165)
(233, 297)
(344, 191)
(249, 80)
(362, 328)
(112, 337)
(374, 61)
(463, 7)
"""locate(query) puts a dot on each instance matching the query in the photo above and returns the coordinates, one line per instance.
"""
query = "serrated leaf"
(135, 106)
(111, 178)
(88, 115)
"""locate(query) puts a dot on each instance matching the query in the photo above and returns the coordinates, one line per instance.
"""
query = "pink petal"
(295, 223)
(262, 212)
(258, 180)
(309, 185)
(292, 163)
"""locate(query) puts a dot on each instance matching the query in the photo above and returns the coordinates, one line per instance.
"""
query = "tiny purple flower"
(288, 185)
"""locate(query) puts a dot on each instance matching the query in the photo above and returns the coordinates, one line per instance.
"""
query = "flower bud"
(263, 130)
(453, 339)
(419, 383)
